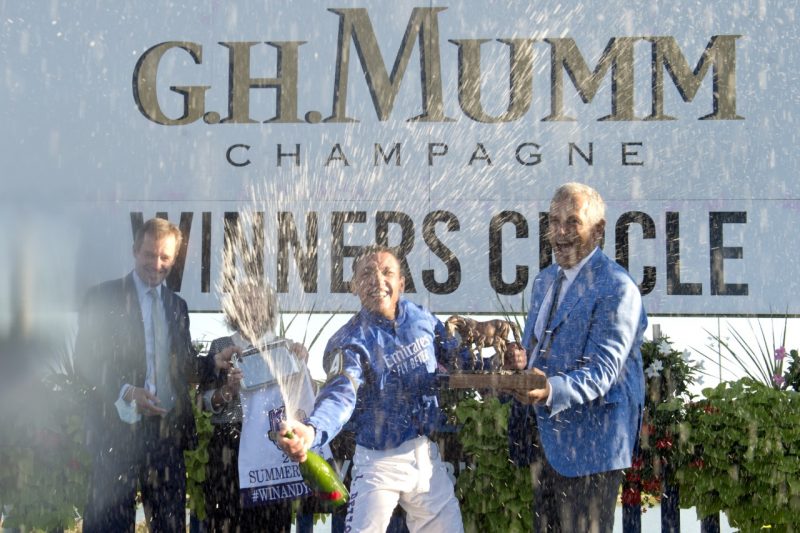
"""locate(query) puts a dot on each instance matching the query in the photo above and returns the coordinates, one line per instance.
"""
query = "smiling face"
(378, 283)
(573, 234)
(154, 258)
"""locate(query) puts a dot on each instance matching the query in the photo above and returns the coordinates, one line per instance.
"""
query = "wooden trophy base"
(502, 380)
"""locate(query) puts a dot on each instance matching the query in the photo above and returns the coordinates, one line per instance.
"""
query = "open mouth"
(378, 299)
(378, 294)
(563, 247)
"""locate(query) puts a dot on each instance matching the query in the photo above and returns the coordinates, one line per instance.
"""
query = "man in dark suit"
(583, 333)
(134, 352)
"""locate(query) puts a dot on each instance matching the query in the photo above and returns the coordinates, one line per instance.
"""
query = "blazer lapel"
(540, 288)
(580, 287)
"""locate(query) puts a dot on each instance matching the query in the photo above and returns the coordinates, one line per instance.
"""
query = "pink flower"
(777, 379)
(780, 354)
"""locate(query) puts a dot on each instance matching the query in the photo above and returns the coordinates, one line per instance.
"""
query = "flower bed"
(742, 449)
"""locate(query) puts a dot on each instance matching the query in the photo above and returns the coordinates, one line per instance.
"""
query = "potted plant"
(741, 440)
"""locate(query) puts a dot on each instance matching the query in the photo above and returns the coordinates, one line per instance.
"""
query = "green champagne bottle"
(322, 478)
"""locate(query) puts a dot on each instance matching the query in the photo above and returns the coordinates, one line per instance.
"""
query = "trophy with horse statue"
(503, 370)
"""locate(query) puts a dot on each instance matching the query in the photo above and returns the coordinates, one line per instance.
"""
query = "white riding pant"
(412, 475)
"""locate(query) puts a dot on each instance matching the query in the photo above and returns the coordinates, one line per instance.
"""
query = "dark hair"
(373, 249)
(158, 228)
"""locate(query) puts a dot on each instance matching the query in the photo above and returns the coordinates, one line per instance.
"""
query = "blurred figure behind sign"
(238, 497)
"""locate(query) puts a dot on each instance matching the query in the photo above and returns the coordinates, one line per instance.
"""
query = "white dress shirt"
(569, 276)
(126, 410)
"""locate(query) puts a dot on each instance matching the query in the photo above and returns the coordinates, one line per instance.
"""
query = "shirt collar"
(143, 288)
(376, 318)
(572, 273)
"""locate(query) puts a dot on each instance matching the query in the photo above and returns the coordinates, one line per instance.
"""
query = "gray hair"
(595, 206)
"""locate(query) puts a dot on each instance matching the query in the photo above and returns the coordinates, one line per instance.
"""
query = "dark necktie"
(554, 302)
(547, 333)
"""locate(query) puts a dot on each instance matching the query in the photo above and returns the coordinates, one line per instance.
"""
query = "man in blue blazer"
(134, 352)
(583, 332)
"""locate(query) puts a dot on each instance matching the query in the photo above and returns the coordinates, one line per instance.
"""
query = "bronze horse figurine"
(477, 335)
